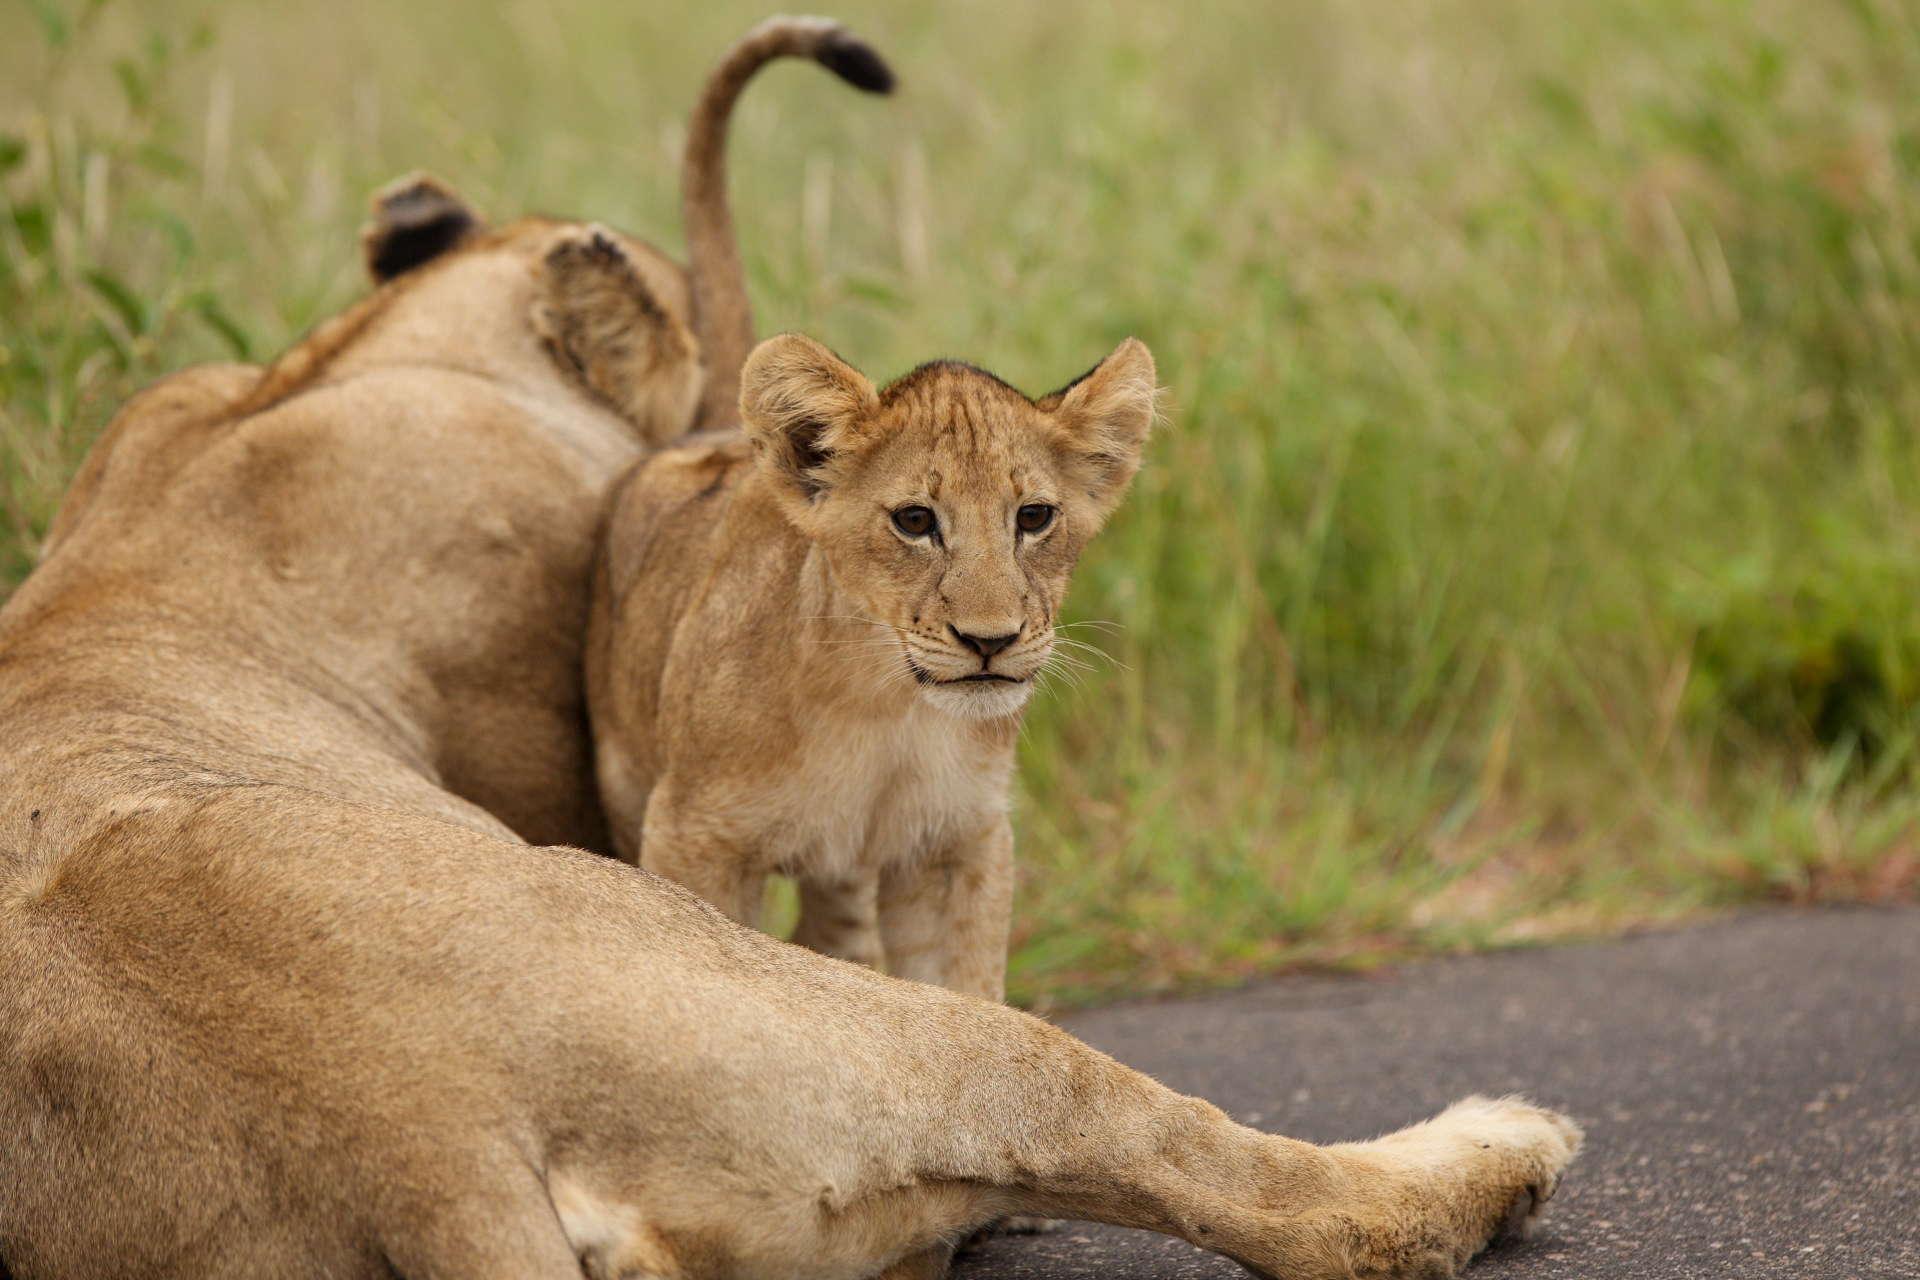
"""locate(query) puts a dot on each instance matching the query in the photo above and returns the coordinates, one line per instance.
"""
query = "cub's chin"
(979, 699)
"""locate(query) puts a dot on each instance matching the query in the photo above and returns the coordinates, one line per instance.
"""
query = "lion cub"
(810, 645)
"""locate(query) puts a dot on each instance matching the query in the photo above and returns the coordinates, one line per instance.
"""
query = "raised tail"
(722, 314)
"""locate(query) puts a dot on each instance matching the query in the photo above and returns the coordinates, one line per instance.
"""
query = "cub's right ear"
(415, 220)
(802, 407)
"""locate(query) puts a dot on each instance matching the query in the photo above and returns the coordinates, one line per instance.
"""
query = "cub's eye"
(915, 522)
(1033, 517)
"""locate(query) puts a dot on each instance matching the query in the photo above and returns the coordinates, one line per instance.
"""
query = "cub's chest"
(868, 796)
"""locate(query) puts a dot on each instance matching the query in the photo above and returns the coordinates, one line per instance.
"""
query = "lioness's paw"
(1538, 1145)
(1448, 1186)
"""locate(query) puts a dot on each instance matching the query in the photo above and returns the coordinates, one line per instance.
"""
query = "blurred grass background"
(1531, 547)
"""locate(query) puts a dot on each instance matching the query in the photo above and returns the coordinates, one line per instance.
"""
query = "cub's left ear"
(415, 220)
(1106, 415)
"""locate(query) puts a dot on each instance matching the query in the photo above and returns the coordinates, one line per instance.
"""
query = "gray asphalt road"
(1750, 1088)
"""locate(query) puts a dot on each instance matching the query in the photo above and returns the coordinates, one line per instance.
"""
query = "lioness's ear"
(415, 220)
(603, 321)
(801, 404)
(1106, 414)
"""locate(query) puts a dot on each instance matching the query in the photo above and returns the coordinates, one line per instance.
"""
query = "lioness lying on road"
(281, 994)
(810, 645)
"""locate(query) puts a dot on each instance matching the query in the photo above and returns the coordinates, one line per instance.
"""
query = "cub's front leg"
(838, 917)
(944, 919)
(693, 847)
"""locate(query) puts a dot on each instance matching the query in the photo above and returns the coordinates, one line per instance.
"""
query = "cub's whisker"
(1081, 646)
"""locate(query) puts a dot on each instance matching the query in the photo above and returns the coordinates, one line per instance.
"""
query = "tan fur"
(282, 995)
(599, 316)
(425, 440)
(781, 679)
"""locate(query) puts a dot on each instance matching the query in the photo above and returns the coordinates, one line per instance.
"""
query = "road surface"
(1750, 1089)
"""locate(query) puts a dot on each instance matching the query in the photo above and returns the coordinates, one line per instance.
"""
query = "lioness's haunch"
(811, 644)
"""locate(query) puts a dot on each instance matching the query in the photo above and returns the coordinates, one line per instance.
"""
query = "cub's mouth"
(927, 677)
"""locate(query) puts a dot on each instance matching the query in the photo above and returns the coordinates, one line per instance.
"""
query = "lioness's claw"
(1518, 1215)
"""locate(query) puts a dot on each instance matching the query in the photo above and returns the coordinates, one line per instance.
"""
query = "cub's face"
(948, 505)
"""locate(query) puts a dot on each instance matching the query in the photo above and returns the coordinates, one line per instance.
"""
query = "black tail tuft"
(856, 63)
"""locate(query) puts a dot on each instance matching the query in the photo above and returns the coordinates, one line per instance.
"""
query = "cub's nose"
(985, 646)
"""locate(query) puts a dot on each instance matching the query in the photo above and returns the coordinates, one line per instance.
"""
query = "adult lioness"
(810, 646)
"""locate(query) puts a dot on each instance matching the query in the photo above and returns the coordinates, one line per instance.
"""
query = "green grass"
(1533, 545)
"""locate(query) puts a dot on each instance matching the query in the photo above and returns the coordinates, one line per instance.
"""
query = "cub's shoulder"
(696, 471)
(672, 498)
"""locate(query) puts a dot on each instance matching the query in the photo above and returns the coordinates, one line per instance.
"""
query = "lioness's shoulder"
(153, 436)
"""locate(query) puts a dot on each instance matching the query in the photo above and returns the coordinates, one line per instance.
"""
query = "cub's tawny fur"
(811, 643)
(281, 994)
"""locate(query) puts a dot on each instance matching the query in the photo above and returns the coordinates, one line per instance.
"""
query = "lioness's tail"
(722, 315)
